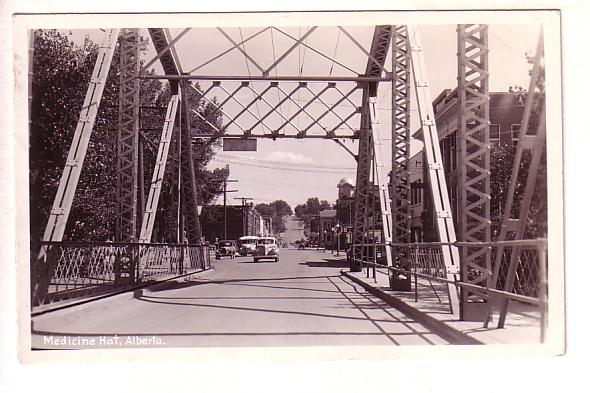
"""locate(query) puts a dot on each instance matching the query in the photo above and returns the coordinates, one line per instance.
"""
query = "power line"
(277, 167)
(520, 55)
(271, 162)
(335, 50)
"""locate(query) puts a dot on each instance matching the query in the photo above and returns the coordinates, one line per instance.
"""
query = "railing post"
(415, 274)
(43, 273)
(134, 264)
(542, 288)
(181, 259)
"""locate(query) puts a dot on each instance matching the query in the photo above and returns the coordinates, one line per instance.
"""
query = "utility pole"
(244, 221)
(225, 191)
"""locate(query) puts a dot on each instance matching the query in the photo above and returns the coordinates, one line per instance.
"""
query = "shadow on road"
(172, 285)
(327, 262)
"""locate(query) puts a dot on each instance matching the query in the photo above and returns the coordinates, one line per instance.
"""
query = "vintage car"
(266, 248)
(247, 245)
(226, 248)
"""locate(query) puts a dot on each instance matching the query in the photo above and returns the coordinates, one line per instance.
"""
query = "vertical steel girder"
(530, 142)
(62, 203)
(189, 196)
(161, 44)
(189, 222)
(436, 174)
(149, 215)
(379, 178)
(362, 210)
(474, 157)
(128, 140)
(400, 114)
(361, 204)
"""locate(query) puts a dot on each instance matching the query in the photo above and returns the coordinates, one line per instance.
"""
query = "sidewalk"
(432, 308)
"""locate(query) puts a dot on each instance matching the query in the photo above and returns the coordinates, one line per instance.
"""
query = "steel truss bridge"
(481, 276)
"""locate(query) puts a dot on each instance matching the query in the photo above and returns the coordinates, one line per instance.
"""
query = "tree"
(61, 72)
(311, 208)
(502, 162)
(276, 210)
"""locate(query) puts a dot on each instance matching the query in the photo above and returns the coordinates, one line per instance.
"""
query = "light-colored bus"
(247, 245)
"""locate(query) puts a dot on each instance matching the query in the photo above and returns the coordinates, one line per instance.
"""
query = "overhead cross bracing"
(299, 89)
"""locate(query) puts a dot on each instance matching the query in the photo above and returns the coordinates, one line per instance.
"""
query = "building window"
(448, 147)
(515, 132)
(494, 132)
(416, 192)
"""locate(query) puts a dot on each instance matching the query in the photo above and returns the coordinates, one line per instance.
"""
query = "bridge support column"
(126, 227)
(400, 148)
(64, 198)
(188, 189)
(531, 143)
(474, 224)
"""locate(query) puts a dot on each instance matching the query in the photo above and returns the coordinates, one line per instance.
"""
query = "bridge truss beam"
(474, 224)
(184, 180)
(436, 174)
(149, 216)
(44, 268)
(366, 153)
(126, 224)
(531, 144)
(68, 183)
(268, 120)
(188, 189)
(400, 147)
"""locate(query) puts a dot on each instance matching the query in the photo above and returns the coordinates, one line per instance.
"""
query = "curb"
(112, 295)
(452, 335)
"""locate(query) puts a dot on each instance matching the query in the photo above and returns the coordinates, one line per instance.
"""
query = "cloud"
(287, 156)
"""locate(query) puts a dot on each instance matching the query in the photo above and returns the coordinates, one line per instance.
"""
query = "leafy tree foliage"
(311, 208)
(61, 72)
(277, 210)
(502, 159)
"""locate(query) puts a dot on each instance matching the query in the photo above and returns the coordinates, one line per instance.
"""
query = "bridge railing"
(69, 270)
(424, 261)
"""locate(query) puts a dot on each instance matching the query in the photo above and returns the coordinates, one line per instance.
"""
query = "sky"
(294, 170)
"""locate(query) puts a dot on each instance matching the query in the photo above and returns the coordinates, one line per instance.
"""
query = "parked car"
(266, 248)
(226, 248)
(247, 245)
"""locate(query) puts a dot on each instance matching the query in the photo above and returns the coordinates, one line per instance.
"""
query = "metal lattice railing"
(426, 259)
(529, 277)
(526, 276)
(75, 270)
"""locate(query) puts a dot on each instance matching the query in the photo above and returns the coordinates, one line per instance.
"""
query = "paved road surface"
(300, 301)
(294, 229)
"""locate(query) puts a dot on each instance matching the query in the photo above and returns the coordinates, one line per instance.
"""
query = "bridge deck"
(301, 301)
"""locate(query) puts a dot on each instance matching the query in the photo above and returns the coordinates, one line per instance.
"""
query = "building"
(240, 221)
(416, 197)
(506, 113)
(345, 203)
(327, 223)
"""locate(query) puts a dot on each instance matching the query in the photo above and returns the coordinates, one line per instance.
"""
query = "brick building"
(240, 221)
(505, 119)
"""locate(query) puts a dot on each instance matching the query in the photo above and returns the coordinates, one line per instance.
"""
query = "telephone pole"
(225, 191)
(244, 217)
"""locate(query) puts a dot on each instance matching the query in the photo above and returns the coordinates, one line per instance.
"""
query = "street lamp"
(338, 231)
